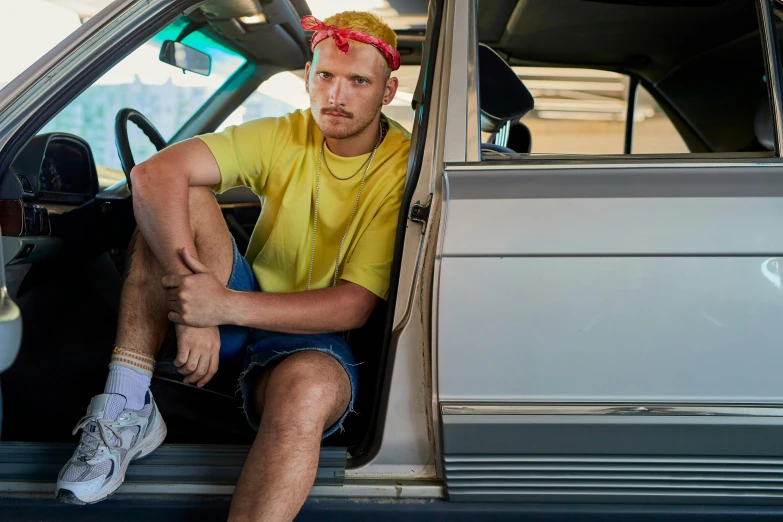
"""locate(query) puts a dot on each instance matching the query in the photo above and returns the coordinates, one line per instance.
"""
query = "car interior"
(68, 246)
(65, 241)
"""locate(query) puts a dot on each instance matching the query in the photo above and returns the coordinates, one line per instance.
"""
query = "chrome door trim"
(772, 65)
(461, 142)
(473, 127)
(491, 166)
(647, 410)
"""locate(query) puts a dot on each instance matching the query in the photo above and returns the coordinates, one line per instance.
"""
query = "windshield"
(166, 95)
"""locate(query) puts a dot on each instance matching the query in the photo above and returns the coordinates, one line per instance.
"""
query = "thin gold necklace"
(353, 212)
(335, 176)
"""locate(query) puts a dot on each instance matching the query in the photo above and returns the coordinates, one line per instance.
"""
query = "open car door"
(10, 327)
(608, 328)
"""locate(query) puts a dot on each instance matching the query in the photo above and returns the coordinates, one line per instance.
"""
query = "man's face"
(347, 90)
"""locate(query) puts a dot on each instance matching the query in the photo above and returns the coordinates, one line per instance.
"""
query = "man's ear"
(391, 90)
(307, 77)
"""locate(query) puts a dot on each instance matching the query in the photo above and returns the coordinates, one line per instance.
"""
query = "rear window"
(583, 111)
(694, 73)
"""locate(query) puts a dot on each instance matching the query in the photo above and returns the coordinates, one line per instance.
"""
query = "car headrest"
(765, 130)
(502, 95)
(519, 138)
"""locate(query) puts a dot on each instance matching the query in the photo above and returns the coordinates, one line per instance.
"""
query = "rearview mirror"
(186, 58)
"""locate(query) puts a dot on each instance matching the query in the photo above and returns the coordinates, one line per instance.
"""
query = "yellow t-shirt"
(277, 158)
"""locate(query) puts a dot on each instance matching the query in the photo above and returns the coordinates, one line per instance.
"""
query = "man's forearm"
(344, 307)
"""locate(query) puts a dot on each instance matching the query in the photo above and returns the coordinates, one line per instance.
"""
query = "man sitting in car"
(331, 181)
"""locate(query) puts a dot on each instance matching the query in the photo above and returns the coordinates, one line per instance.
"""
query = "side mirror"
(186, 58)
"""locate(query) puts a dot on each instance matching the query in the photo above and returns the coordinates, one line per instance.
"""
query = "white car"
(586, 313)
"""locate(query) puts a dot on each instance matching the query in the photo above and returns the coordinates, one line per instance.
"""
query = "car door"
(608, 329)
(10, 327)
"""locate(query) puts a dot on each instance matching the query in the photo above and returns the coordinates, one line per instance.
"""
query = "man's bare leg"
(142, 320)
(301, 397)
(94, 472)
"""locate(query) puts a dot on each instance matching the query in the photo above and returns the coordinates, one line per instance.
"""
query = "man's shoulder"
(398, 132)
(397, 141)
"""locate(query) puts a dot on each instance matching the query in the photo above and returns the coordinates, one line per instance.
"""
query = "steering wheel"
(123, 143)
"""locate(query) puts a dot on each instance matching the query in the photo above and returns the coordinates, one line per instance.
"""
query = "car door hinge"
(420, 213)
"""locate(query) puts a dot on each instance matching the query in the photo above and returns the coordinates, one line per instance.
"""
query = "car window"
(653, 131)
(166, 95)
(285, 92)
(577, 111)
(583, 111)
(702, 95)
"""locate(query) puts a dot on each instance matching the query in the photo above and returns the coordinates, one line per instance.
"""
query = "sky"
(28, 42)
(53, 22)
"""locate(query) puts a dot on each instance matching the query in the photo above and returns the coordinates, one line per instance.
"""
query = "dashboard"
(52, 174)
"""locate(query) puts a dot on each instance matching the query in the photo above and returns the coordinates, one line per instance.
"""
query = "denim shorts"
(259, 348)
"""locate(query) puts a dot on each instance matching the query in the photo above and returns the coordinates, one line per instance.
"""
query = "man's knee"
(307, 389)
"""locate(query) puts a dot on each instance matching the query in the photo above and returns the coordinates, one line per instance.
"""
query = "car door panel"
(611, 341)
(617, 211)
(612, 329)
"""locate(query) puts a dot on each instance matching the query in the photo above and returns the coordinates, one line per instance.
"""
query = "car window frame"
(460, 143)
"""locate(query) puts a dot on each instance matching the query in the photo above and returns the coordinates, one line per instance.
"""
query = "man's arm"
(344, 307)
(160, 198)
(201, 300)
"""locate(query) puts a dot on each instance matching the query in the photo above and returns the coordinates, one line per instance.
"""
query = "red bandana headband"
(341, 37)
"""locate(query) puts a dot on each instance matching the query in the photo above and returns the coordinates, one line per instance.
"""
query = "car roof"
(646, 37)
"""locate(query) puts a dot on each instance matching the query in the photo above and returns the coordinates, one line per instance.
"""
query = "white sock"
(130, 373)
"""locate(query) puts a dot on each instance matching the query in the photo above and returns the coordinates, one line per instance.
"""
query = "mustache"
(336, 110)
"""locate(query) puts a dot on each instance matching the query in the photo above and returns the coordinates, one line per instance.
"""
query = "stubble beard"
(347, 129)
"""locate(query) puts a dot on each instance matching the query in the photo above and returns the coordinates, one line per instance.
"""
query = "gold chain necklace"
(338, 177)
(335, 176)
(353, 212)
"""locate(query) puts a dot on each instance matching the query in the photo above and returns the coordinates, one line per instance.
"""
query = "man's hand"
(199, 299)
(197, 353)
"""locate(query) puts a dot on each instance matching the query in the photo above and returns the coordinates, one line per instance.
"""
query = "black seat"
(503, 98)
(519, 139)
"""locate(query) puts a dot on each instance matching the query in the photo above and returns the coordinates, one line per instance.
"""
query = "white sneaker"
(111, 438)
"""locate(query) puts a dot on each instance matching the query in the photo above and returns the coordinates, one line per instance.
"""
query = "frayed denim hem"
(257, 361)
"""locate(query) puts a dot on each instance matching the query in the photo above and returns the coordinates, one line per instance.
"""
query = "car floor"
(69, 328)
